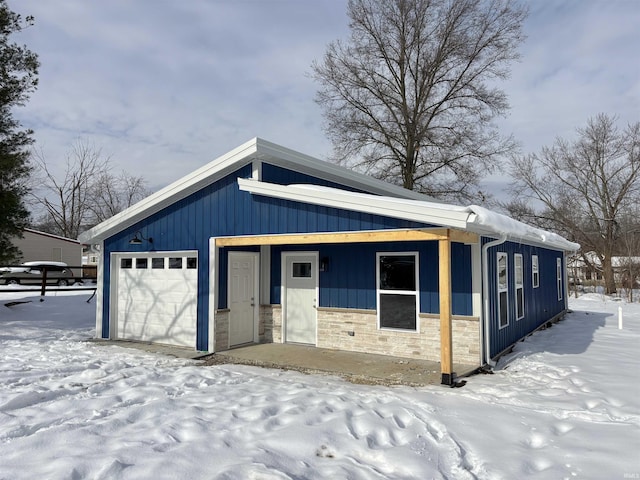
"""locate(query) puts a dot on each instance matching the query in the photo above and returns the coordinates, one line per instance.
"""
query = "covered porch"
(444, 370)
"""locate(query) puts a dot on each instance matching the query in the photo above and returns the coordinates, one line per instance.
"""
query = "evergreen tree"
(18, 78)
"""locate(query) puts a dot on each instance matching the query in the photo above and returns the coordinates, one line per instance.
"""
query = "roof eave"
(377, 205)
(174, 192)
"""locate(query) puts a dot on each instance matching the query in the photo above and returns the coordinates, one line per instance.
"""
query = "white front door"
(243, 269)
(300, 274)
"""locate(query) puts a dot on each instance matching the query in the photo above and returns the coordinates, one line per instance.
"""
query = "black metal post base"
(448, 379)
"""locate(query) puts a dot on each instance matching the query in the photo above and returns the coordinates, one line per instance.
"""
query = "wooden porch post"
(444, 280)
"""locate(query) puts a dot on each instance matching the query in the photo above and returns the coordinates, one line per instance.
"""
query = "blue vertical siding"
(284, 176)
(350, 281)
(221, 209)
(540, 304)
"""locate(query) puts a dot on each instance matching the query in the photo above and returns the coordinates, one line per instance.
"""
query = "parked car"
(30, 273)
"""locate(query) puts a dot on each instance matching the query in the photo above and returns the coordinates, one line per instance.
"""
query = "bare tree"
(411, 97)
(113, 193)
(629, 250)
(86, 194)
(67, 199)
(581, 189)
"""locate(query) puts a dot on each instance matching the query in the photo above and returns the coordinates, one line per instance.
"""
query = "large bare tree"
(86, 193)
(583, 189)
(411, 97)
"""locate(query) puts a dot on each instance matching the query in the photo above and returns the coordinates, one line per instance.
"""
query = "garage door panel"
(157, 305)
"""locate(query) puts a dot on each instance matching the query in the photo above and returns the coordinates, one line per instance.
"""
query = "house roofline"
(255, 149)
(51, 235)
(473, 219)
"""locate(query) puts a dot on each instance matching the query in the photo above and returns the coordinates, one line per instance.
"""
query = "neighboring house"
(265, 244)
(36, 246)
(626, 269)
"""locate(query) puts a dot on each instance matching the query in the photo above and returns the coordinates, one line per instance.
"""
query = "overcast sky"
(165, 86)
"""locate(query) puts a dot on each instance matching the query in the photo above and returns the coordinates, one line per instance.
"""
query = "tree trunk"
(607, 273)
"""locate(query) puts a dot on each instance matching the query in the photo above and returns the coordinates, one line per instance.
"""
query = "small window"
(519, 280)
(503, 294)
(141, 263)
(559, 277)
(126, 262)
(157, 263)
(535, 273)
(175, 262)
(301, 270)
(398, 291)
(192, 262)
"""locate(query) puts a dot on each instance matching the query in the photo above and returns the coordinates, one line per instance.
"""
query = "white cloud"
(166, 86)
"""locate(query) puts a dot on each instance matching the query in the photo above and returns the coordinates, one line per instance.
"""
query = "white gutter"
(485, 294)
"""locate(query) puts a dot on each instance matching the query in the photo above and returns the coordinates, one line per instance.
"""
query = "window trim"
(500, 290)
(559, 277)
(518, 281)
(535, 271)
(415, 293)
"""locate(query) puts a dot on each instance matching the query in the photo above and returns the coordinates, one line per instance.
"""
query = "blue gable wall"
(221, 209)
(540, 304)
(283, 176)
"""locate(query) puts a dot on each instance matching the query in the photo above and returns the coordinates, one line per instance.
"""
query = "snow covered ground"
(564, 404)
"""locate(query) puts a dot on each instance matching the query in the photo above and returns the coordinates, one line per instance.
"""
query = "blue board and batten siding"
(350, 279)
(221, 209)
(541, 304)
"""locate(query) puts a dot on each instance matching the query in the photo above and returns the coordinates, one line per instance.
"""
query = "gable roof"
(50, 235)
(255, 149)
(382, 198)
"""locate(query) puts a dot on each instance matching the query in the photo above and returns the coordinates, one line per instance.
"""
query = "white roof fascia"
(256, 148)
(473, 219)
(170, 194)
(455, 217)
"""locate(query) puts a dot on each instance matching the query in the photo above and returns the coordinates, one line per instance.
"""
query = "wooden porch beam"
(404, 235)
(444, 287)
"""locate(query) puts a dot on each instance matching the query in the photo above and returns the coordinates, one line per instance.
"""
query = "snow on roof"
(382, 198)
(503, 225)
(472, 218)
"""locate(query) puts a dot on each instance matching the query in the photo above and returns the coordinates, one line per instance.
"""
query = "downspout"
(485, 295)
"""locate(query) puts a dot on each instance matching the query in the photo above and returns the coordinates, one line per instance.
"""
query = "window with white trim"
(503, 290)
(397, 284)
(559, 277)
(535, 272)
(519, 281)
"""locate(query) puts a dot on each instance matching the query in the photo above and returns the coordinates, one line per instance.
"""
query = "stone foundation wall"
(357, 331)
(222, 330)
(270, 324)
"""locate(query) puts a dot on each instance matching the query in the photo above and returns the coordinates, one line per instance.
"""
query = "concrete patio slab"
(355, 367)
(352, 366)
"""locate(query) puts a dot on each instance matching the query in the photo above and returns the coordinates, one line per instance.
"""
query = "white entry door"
(243, 302)
(300, 274)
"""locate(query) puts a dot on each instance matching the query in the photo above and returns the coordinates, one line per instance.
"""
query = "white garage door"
(157, 297)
